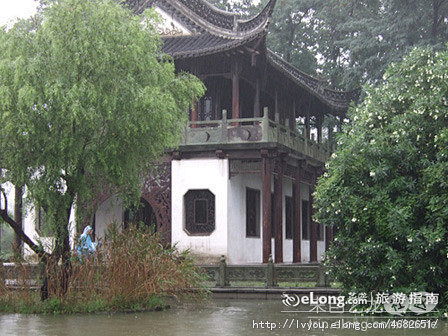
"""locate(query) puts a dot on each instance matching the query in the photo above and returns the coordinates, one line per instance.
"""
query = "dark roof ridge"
(214, 20)
(264, 17)
(232, 21)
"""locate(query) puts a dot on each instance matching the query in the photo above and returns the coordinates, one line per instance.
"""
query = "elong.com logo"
(395, 303)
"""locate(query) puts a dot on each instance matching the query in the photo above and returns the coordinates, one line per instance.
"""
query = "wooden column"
(194, 113)
(296, 229)
(319, 128)
(276, 105)
(292, 124)
(266, 195)
(278, 211)
(339, 125)
(257, 112)
(313, 229)
(307, 125)
(235, 89)
(330, 136)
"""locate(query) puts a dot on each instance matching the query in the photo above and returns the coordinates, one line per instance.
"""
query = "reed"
(132, 270)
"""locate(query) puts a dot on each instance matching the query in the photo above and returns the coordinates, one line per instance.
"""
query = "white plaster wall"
(320, 249)
(212, 174)
(110, 212)
(305, 248)
(29, 224)
(242, 249)
(287, 243)
(169, 22)
(9, 190)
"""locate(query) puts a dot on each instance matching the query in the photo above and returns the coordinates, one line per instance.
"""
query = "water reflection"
(218, 317)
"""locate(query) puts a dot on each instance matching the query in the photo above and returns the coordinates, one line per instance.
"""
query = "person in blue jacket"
(86, 246)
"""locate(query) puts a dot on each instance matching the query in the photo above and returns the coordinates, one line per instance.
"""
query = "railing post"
(277, 125)
(185, 140)
(265, 125)
(288, 134)
(222, 280)
(321, 281)
(270, 273)
(224, 127)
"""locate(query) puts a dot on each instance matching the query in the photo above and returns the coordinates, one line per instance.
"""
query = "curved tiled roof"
(214, 30)
(204, 16)
(336, 99)
(203, 44)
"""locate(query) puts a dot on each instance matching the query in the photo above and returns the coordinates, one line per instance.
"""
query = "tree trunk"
(18, 219)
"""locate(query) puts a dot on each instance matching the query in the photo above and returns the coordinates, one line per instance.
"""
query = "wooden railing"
(220, 275)
(269, 274)
(253, 130)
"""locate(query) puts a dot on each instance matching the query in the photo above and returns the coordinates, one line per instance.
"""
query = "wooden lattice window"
(199, 212)
(320, 231)
(252, 212)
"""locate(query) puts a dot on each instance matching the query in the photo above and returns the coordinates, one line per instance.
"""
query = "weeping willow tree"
(86, 96)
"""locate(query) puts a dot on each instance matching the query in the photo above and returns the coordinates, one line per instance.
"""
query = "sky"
(11, 9)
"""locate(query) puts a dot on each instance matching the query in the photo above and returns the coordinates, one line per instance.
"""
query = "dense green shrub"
(386, 187)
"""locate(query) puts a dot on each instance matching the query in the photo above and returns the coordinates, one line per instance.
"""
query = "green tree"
(87, 101)
(292, 33)
(358, 39)
(385, 187)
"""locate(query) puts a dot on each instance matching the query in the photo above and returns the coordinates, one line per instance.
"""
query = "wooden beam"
(266, 195)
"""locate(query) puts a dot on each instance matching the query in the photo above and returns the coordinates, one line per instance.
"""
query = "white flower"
(372, 174)
(354, 219)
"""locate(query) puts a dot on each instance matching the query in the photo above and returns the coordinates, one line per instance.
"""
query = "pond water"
(216, 317)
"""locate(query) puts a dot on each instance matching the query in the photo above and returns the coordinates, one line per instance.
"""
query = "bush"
(132, 271)
(385, 189)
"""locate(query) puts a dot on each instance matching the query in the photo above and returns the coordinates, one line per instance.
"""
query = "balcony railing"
(253, 130)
